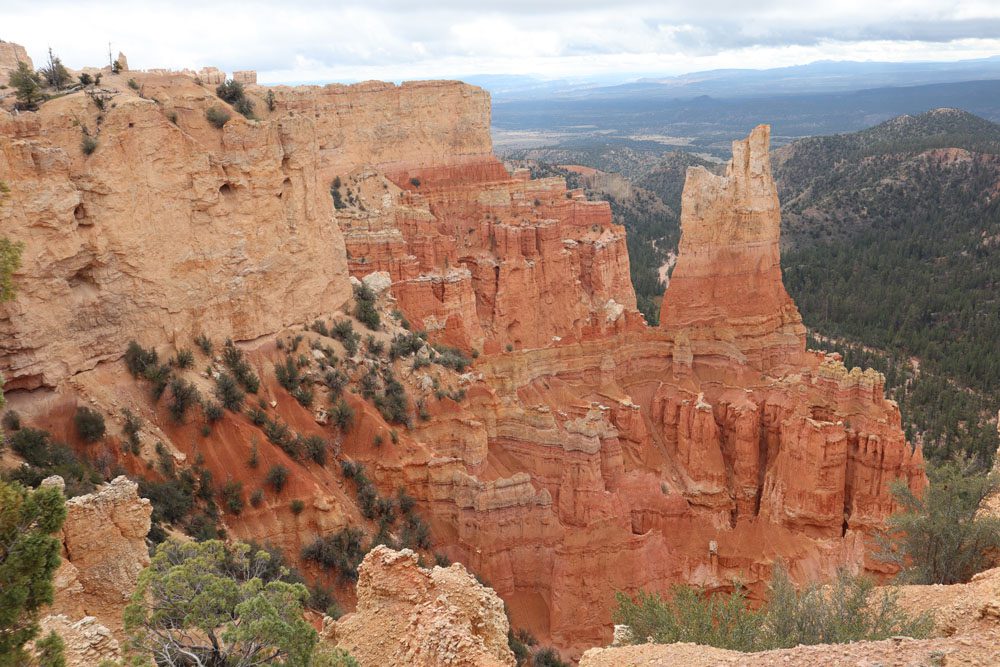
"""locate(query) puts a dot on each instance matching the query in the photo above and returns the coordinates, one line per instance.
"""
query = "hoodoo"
(726, 296)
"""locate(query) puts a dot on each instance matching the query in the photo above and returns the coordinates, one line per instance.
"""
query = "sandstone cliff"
(250, 204)
(412, 616)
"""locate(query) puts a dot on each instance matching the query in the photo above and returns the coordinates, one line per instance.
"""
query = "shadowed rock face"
(590, 453)
(726, 295)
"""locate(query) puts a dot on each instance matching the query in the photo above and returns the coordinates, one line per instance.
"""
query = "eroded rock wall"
(173, 227)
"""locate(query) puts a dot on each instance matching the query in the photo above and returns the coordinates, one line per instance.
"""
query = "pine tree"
(29, 556)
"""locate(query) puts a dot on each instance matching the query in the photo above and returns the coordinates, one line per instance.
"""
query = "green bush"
(297, 506)
(206, 604)
(416, 534)
(341, 551)
(548, 657)
(27, 86)
(131, 428)
(393, 404)
(204, 344)
(138, 359)
(88, 144)
(364, 307)
(183, 395)
(316, 447)
(213, 411)
(232, 92)
(257, 497)
(232, 496)
(336, 380)
(277, 477)
(217, 117)
(29, 526)
(228, 391)
(45, 458)
(184, 359)
(235, 360)
(89, 424)
(11, 421)
(850, 611)
(451, 357)
(939, 538)
(342, 415)
(403, 345)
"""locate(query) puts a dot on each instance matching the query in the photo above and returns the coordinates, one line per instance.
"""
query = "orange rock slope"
(589, 454)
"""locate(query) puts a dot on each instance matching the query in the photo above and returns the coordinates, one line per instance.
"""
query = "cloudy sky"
(303, 40)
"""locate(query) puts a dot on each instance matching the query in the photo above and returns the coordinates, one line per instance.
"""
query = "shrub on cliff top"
(939, 537)
(27, 86)
(232, 91)
(849, 611)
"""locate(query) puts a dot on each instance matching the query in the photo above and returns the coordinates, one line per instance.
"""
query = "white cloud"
(304, 40)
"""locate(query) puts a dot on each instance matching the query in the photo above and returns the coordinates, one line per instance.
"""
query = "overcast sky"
(303, 40)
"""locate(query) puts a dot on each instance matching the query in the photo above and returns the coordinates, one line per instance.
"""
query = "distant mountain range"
(817, 77)
(703, 112)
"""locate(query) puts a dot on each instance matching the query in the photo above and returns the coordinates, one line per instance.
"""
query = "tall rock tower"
(726, 295)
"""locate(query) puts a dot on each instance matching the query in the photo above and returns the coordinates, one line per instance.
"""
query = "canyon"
(588, 452)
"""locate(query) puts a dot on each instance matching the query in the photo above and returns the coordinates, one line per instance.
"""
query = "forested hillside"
(893, 241)
(892, 253)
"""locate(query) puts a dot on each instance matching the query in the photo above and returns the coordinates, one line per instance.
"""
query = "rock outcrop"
(104, 550)
(482, 259)
(102, 262)
(417, 617)
(10, 55)
(87, 642)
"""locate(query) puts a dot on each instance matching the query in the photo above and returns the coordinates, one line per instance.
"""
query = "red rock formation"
(595, 455)
(726, 295)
